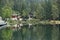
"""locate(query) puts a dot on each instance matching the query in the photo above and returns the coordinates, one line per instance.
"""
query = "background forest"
(40, 9)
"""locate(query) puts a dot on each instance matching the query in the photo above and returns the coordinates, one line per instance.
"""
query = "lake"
(34, 32)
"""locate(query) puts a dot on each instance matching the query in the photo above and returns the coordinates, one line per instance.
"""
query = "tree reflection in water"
(35, 32)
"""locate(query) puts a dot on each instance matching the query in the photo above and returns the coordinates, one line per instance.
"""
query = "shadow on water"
(36, 32)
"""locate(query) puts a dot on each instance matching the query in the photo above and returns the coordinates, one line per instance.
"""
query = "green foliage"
(6, 12)
(58, 4)
(40, 9)
(55, 13)
(39, 13)
(25, 13)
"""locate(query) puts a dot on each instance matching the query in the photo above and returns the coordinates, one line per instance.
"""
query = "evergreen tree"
(58, 4)
(47, 9)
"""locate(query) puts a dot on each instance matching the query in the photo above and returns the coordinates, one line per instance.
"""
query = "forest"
(39, 9)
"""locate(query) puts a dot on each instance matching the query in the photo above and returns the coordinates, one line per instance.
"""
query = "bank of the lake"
(34, 22)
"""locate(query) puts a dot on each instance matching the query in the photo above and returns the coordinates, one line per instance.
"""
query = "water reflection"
(35, 32)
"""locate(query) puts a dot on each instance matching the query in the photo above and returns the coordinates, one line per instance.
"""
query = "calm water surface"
(35, 32)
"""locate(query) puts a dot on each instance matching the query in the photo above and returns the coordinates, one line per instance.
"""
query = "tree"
(58, 4)
(47, 9)
(39, 12)
(6, 12)
(9, 3)
(55, 13)
(0, 7)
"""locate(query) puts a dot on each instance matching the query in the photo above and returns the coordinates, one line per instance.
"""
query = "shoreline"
(33, 22)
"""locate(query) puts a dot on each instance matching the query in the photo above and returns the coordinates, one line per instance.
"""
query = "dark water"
(35, 32)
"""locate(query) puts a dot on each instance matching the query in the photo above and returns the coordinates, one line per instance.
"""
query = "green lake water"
(35, 32)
